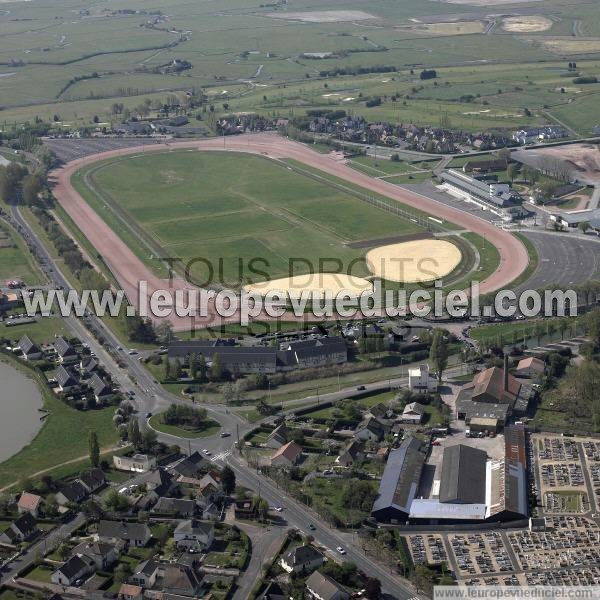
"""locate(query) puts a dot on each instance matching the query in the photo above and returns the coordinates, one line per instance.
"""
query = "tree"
(228, 479)
(372, 588)
(511, 171)
(216, 369)
(583, 226)
(115, 502)
(94, 449)
(63, 551)
(438, 353)
(133, 433)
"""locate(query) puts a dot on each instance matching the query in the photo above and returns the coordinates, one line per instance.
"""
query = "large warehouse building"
(472, 487)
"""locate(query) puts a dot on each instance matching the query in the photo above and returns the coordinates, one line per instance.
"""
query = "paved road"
(151, 397)
(41, 547)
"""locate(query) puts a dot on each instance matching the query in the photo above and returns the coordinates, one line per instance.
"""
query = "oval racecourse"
(301, 223)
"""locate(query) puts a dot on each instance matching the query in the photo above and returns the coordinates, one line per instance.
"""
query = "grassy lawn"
(210, 428)
(534, 260)
(41, 573)
(282, 210)
(63, 437)
(44, 330)
(16, 261)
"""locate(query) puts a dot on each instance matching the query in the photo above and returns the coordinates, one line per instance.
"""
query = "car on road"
(340, 550)
(207, 452)
(148, 415)
(225, 434)
(278, 508)
(132, 351)
(361, 388)
(311, 527)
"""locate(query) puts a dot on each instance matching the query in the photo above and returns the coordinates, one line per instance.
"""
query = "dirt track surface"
(128, 269)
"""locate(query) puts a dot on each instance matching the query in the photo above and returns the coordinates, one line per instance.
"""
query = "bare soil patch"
(583, 157)
(324, 16)
(526, 24)
(567, 45)
(450, 28)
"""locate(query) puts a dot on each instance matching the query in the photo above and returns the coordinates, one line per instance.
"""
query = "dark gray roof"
(302, 554)
(463, 475)
(401, 476)
(65, 377)
(174, 506)
(74, 566)
(74, 492)
(99, 386)
(191, 466)
(92, 479)
(148, 567)
(122, 530)
(25, 524)
(479, 189)
(28, 346)
(324, 587)
(194, 526)
(63, 348)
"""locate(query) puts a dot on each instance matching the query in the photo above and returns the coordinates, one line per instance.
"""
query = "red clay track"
(128, 269)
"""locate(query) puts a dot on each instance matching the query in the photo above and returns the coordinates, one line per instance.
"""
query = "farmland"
(191, 205)
(73, 62)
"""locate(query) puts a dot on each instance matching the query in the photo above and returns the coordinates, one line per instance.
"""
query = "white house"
(421, 380)
(138, 463)
(302, 559)
(413, 413)
(193, 535)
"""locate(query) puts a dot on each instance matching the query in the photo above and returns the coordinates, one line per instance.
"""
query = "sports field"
(231, 209)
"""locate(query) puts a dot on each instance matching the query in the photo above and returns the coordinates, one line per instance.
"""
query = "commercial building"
(421, 380)
(399, 482)
(472, 487)
(496, 197)
(303, 354)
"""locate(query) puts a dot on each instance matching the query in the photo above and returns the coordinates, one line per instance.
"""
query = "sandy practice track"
(128, 269)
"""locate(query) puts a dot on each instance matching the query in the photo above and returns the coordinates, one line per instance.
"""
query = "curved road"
(129, 269)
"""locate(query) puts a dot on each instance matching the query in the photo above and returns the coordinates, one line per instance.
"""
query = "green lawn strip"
(63, 437)
(17, 262)
(489, 260)
(44, 330)
(515, 331)
(209, 428)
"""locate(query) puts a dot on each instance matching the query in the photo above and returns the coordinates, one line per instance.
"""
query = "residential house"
(158, 481)
(74, 571)
(127, 591)
(176, 507)
(192, 467)
(287, 456)
(181, 580)
(318, 352)
(29, 349)
(194, 535)
(531, 367)
(29, 503)
(371, 430)
(273, 591)
(421, 380)
(145, 574)
(92, 480)
(102, 554)
(138, 463)
(134, 534)
(278, 437)
(208, 490)
(322, 587)
(65, 352)
(22, 529)
(101, 390)
(72, 493)
(88, 365)
(351, 454)
(413, 413)
(302, 559)
(381, 411)
(66, 379)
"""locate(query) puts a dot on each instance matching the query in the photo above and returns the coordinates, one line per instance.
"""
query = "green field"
(226, 208)
(210, 428)
(15, 260)
(74, 60)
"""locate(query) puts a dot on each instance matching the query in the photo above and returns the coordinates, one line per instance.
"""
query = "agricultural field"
(74, 61)
(191, 205)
